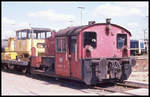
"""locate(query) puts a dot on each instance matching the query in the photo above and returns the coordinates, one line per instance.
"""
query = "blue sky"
(56, 15)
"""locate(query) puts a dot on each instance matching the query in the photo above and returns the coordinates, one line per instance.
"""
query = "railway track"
(133, 84)
(122, 87)
(106, 88)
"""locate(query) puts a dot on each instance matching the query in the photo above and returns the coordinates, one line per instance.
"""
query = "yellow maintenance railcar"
(19, 49)
(28, 38)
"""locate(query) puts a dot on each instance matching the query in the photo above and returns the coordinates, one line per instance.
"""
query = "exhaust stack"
(91, 22)
(108, 20)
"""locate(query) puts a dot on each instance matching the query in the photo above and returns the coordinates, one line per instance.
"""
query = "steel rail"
(114, 90)
(128, 85)
(133, 84)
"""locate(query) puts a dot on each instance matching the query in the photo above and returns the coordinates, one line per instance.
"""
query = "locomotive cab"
(106, 53)
(28, 38)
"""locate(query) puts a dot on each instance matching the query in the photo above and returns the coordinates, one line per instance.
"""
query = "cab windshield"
(35, 34)
(121, 40)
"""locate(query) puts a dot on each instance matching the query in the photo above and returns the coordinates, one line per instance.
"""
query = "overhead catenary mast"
(81, 12)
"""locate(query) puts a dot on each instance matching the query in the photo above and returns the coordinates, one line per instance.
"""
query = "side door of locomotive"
(61, 57)
(75, 63)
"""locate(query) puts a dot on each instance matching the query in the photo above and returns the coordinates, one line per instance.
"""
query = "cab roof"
(75, 30)
(36, 30)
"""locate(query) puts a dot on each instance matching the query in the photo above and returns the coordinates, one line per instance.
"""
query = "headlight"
(40, 45)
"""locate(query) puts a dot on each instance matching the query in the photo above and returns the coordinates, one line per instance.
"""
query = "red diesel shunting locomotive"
(92, 53)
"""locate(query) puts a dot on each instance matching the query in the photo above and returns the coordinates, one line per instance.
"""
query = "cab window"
(121, 40)
(73, 43)
(48, 34)
(61, 45)
(34, 35)
(43, 35)
(90, 38)
(19, 35)
(24, 35)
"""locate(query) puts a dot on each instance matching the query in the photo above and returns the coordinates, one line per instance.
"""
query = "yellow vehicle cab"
(19, 48)
(28, 38)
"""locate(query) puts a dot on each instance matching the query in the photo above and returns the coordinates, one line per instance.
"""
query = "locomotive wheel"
(115, 69)
(5, 67)
(24, 70)
(11, 67)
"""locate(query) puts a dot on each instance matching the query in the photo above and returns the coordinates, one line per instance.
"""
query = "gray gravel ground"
(14, 84)
(20, 84)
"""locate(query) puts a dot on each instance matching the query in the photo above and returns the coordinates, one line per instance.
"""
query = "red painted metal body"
(36, 60)
(50, 46)
(106, 48)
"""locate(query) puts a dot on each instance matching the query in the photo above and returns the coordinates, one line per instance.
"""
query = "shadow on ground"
(59, 81)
